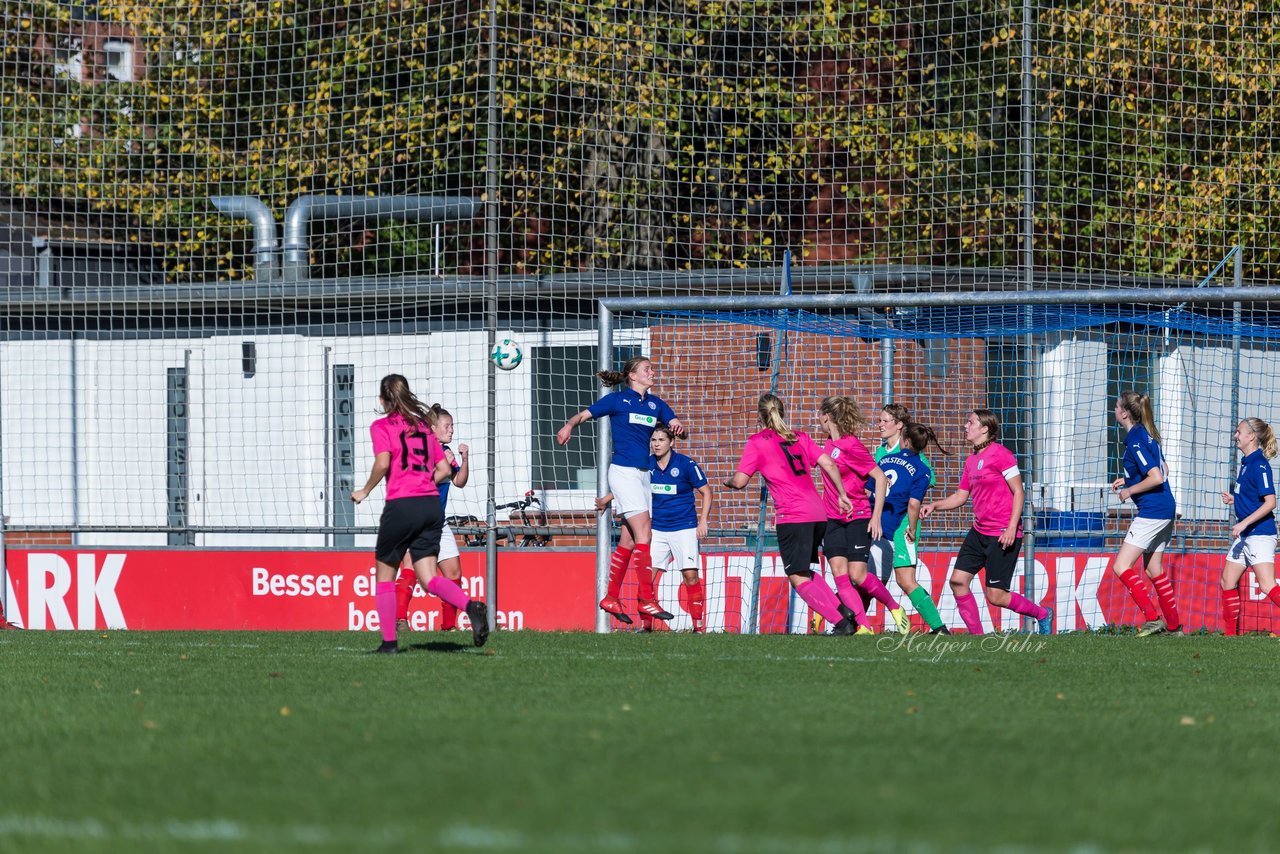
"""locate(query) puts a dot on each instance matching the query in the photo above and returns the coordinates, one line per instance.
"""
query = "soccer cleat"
(817, 625)
(900, 620)
(387, 648)
(844, 627)
(699, 627)
(611, 605)
(478, 614)
(403, 626)
(940, 630)
(863, 630)
(1153, 627)
(651, 608)
(1044, 626)
(1175, 632)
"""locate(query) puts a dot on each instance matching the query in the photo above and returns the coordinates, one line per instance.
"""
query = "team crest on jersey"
(675, 472)
(980, 462)
(835, 453)
(653, 405)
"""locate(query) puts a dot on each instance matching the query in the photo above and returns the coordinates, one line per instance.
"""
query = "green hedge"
(664, 134)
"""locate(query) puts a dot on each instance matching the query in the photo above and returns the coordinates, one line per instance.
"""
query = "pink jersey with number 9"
(414, 454)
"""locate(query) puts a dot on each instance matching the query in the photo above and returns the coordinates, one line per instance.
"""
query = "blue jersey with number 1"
(1141, 455)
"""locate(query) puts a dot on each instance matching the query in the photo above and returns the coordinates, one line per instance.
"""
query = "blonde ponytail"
(1266, 436)
(1140, 411)
(773, 415)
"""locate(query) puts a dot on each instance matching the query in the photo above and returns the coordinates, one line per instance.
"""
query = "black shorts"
(798, 542)
(410, 525)
(984, 550)
(849, 540)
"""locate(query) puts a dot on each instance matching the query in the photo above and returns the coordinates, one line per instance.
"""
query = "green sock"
(925, 608)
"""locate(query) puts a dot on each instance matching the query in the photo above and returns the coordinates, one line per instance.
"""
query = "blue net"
(1002, 321)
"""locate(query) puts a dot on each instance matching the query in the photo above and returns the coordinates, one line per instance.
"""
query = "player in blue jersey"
(910, 476)
(1145, 481)
(1253, 537)
(449, 561)
(679, 520)
(633, 415)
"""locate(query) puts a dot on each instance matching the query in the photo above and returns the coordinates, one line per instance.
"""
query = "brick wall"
(37, 538)
(709, 375)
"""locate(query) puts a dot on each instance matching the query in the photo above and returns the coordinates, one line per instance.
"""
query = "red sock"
(643, 565)
(1132, 580)
(1164, 592)
(618, 570)
(697, 604)
(1231, 610)
(1273, 594)
(404, 592)
(448, 613)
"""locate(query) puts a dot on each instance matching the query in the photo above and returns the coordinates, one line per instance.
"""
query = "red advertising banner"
(264, 590)
(546, 590)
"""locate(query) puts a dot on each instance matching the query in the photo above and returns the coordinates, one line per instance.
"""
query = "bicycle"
(472, 529)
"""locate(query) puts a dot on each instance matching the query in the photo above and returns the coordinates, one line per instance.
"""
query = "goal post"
(1048, 362)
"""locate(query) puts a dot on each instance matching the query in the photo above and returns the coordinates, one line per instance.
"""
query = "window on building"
(564, 383)
(1128, 369)
(118, 55)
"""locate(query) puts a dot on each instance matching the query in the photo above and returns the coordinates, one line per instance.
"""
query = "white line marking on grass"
(476, 838)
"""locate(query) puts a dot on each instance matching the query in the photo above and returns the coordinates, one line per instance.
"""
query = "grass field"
(581, 743)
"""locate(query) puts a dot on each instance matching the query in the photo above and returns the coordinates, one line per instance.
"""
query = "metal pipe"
(757, 567)
(329, 496)
(415, 208)
(1237, 279)
(4, 563)
(265, 240)
(596, 285)
(764, 302)
(75, 438)
(492, 223)
(1027, 268)
(604, 525)
(44, 262)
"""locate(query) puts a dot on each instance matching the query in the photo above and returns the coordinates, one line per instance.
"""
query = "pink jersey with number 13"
(414, 454)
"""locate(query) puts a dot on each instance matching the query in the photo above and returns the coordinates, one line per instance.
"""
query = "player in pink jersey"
(785, 459)
(449, 560)
(992, 478)
(412, 461)
(847, 539)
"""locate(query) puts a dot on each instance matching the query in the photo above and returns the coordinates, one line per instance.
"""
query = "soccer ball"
(506, 354)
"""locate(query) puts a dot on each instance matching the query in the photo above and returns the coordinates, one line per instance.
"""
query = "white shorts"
(448, 544)
(1251, 551)
(679, 548)
(1150, 535)
(882, 555)
(630, 488)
